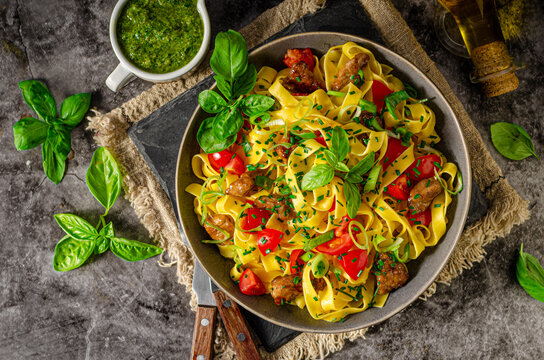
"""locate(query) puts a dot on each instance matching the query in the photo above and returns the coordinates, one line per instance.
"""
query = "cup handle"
(119, 78)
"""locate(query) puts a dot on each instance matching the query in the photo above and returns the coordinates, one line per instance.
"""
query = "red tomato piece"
(399, 188)
(338, 245)
(354, 262)
(394, 149)
(333, 206)
(295, 262)
(250, 284)
(379, 92)
(422, 218)
(320, 139)
(254, 217)
(236, 166)
(343, 226)
(220, 159)
(423, 167)
(268, 240)
(293, 56)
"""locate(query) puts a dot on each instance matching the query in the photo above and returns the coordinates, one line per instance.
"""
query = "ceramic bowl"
(126, 71)
(422, 271)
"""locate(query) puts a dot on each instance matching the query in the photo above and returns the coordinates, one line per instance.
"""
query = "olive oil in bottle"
(479, 25)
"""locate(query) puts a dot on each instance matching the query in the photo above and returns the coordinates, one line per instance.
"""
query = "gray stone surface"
(113, 309)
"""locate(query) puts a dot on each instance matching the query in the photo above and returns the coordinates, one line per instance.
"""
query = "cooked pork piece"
(349, 72)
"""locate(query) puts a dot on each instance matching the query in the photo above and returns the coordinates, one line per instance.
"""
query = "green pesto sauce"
(160, 36)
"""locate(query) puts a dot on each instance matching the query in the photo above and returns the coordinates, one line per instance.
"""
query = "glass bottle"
(479, 26)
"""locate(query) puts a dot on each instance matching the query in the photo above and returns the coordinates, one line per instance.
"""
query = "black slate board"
(159, 135)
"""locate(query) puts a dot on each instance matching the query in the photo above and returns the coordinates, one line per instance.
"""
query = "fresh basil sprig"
(53, 133)
(82, 239)
(512, 141)
(530, 275)
(322, 174)
(235, 78)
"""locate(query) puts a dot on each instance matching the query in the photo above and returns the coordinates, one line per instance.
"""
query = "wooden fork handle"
(236, 327)
(203, 333)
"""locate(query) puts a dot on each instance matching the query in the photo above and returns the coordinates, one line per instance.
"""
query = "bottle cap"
(494, 68)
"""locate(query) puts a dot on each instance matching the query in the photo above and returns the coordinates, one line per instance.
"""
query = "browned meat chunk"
(245, 184)
(224, 222)
(300, 79)
(423, 194)
(242, 185)
(285, 151)
(284, 288)
(288, 287)
(280, 205)
(390, 275)
(349, 72)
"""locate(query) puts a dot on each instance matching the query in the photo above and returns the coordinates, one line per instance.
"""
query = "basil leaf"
(54, 164)
(330, 157)
(263, 118)
(61, 139)
(229, 58)
(38, 97)
(207, 139)
(341, 167)
(353, 178)
(340, 143)
(530, 275)
(103, 178)
(227, 123)
(223, 86)
(246, 82)
(364, 165)
(76, 227)
(353, 198)
(256, 104)
(211, 101)
(103, 241)
(102, 244)
(512, 141)
(393, 99)
(74, 108)
(307, 135)
(264, 181)
(312, 243)
(71, 253)
(245, 144)
(372, 178)
(132, 250)
(319, 175)
(29, 133)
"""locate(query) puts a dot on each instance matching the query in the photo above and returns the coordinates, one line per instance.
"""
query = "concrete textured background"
(112, 309)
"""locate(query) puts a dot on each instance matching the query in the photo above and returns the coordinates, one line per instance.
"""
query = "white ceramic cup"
(126, 71)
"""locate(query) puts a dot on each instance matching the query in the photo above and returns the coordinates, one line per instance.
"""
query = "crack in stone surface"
(20, 30)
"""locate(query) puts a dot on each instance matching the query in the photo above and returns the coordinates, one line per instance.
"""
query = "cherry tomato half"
(293, 56)
(422, 218)
(295, 262)
(219, 159)
(339, 231)
(379, 92)
(250, 284)
(268, 240)
(394, 149)
(423, 167)
(338, 245)
(254, 217)
(236, 166)
(399, 188)
(354, 262)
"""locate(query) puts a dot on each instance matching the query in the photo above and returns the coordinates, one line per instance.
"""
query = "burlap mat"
(506, 207)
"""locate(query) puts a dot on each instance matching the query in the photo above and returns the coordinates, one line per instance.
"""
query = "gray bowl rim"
(467, 182)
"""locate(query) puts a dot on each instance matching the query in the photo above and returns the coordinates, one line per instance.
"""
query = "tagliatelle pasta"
(389, 227)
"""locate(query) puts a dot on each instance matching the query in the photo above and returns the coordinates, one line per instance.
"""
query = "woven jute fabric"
(506, 207)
